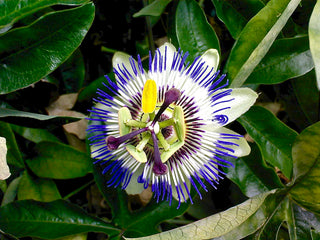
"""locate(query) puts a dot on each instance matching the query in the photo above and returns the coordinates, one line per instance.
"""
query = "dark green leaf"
(13, 154)
(305, 89)
(306, 168)
(233, 20)
(59, 161)
(34, 134)
(32, 52)
(193, 31)
(73, 72)
(256, 39)
(252, 175)
(33, 119)
(273, 137)
(13, 10)
(39, 189)
(287, 58)
(314, 38)
(301, 222)
(154, 9)
(49, 220)
(11, 192)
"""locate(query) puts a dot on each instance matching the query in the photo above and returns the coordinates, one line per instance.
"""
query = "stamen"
(149, 96)
(114, 142)
(158, 168)
(170, 96)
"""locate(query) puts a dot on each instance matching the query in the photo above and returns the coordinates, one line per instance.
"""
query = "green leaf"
(39, 189)
(273, 137)
(34, 134)
(252, 175)
(219, 224)
(73, 72)
(59, 161)
(13, 10)
(287, 58)
(301, 222)
(193, 31)
(305, 89)
(32, 52)
(256, 39)
(33, 119)
(13, 154)
(153, 9)
(314, 39)
(49, 220)
(11, 192)
(306, 168)
(233, 20)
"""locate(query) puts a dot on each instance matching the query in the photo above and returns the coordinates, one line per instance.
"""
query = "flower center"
(153, 126)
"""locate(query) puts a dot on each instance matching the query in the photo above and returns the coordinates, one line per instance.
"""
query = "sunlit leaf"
(287, 58)
(273, 137)
(13, 10)
(306, 168)
(59, 161)
(219, 224)
(314, 39)
(32, 52)
(256, 39)
(40, 189)
(193, 31)
(49, 220)
(153, 9)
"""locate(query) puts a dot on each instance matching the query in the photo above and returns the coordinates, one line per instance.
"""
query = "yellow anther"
(149, 96)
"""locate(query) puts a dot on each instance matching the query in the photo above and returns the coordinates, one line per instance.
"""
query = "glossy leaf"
(306, 168)
(11, 193)
(301, 222)
(306, 92)
(256, 39)
(73, 72)
(13, 154)
(219, 224)
(153, 9)
(13, 10)
(252, 175)
(34, 134)
(233, 20)
(287, 58)
(49, 220)
(59, 161)
(194, 33)
(33, 119)
(314, 39)
(32, 52)
(273, 137)
(39, 189)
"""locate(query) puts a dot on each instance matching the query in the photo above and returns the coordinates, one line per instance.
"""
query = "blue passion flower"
(164, 127)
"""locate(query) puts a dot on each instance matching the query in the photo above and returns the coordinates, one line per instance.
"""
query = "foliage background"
(53, 55)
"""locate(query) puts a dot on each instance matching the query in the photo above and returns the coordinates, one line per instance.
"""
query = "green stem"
(149, 30)
(78, 190)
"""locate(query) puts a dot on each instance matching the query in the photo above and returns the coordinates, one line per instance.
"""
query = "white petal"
(4, 168)
(212, 58)
(241, 148)
(134, 187)
(168, 50)
(121, 58)
(235, 104)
